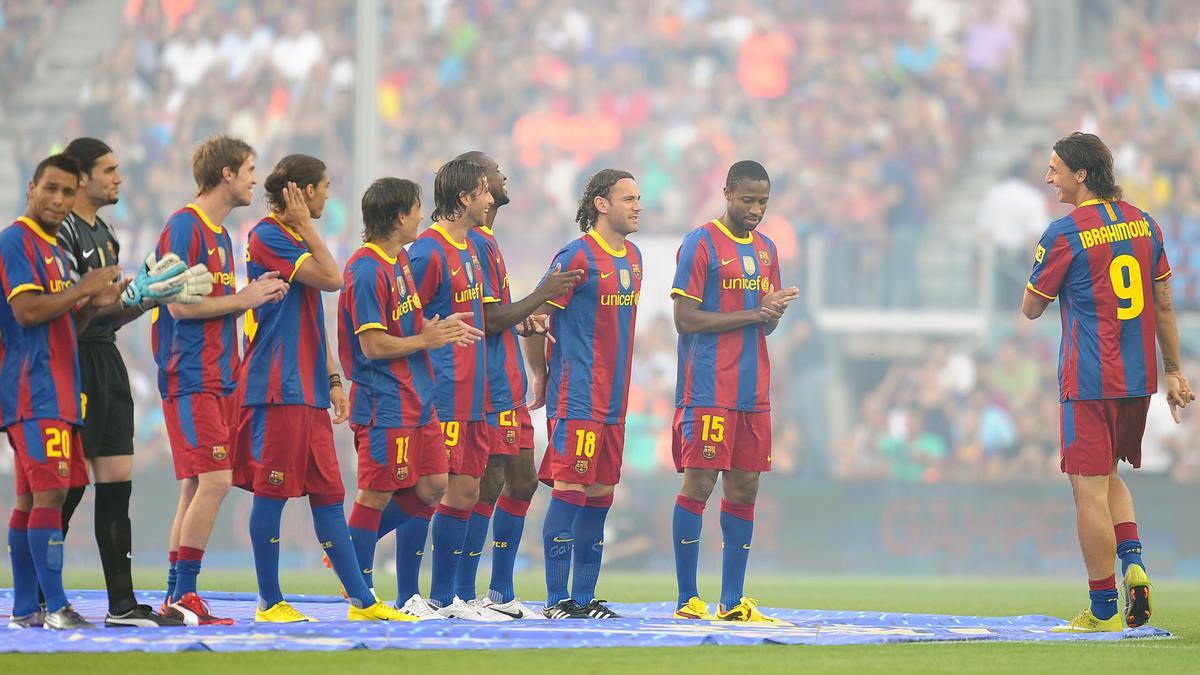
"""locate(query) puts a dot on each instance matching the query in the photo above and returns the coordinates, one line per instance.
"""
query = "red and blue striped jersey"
(1102, 262)
(449, 280)
(380, 293)
(725, 273)
(38, 364)
(589, 362)
(197, 355)
(285, 361)
(506, 369)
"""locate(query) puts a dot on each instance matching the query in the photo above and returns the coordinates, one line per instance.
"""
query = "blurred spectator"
(1013, 216)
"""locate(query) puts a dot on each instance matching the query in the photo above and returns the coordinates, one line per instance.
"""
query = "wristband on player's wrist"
(335, 380)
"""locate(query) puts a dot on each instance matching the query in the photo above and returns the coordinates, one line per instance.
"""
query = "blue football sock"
(1130, 553)
(1103, 594)
(507, 525)
(589, 549)
(410, 551)
(364, 533)
(46, 550)
(25, 581)
(393, 517)
(737, 529)
(265, 517)
(172, 573)
(473, 543)
(558, 536)
(329, 522)
(449, 530)
(686, 522)
(187, 571)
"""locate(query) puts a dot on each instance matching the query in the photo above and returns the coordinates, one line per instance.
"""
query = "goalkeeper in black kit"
(107, 400)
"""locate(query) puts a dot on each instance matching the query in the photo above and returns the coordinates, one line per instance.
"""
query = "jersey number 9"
(1126, 276)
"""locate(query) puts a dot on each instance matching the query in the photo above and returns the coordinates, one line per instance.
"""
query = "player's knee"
(215, 483)
(23, 503)
(49, 499)
(373, 499)
(493, 481)
(698, 484)
(522, 490)
(431, 489)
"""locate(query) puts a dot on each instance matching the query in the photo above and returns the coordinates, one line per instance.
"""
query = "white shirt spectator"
(189, 58)
(240, 51)
(1013, 214)
(295, 56)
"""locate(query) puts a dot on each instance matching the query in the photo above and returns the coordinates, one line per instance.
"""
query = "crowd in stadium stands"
(880, 103)
(26, 28)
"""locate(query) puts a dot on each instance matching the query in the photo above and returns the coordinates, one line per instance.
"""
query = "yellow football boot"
(746, 611)
(695, 609)
(280, 612)
(1137, 596)
(380, 611)
(1087, 622)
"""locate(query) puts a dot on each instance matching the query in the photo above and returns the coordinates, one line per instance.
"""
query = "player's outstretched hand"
(537, 387)
(267, 288)
(341, 404)
(775, 303)
(454, 329)
(558, 282)
(99, 281)
(111, 294)
(536, 324)
(1179, 393)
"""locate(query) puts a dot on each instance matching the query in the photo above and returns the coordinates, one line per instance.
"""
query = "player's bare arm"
(267, 288)
(33, 308)
(1179, 390)
(499, 317)
(321, 270)
(1033, 305)
(689, 318)
(535, 359)
(437, 332)
(337, 393)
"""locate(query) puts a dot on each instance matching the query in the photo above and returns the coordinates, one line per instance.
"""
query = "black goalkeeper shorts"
(108, 407)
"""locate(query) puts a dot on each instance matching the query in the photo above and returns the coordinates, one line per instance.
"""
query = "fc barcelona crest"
(219, 453)
(581, 466)
(275, 478)
(637, 270)
(748, 265)
(510, 436)
(402, 472)
(625, 279)
(64, 469)
(764, 257)
(709, 451)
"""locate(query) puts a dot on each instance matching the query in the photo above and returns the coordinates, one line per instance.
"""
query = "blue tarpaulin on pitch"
(643, 625)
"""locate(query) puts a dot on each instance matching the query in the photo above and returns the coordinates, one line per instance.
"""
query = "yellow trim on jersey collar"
(273, 216)
(487, 230)
(1108, 206)
(748, 239)
(446, 235)
(604, 245)
(37, 229)
(382, 254)
(1091, 202)
(204, 216)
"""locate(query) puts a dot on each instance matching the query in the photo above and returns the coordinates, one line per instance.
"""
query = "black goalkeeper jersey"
(90, 247)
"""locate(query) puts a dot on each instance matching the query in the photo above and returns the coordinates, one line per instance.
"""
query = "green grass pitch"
(1177, 605)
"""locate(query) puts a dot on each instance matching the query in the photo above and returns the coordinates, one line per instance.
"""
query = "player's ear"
(1081, 176)
(601, 204)
(228, 174)
(728, 193)
(29, 191)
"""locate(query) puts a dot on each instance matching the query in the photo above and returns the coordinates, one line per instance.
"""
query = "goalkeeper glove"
(155, 281)
(198, 282)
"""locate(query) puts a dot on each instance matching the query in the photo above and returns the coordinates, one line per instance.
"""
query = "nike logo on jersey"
(726, 262)
(605, 275)
(474, 554)
(212, 251)
(560, 540)
(689, 541)
(49, 259)
(88, 253)
(455, 271)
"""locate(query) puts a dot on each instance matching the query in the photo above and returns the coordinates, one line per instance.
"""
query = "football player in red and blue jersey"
(289, 380)
(42, 409)
(510, 480)
(449, 275)
(384, 342)
(727, 299)
(584, 384)
(195, 347)
(1106, 264)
